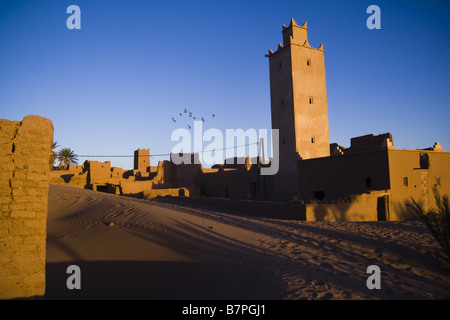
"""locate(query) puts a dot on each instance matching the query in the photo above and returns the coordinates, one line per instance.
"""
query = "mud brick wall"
(25, 149)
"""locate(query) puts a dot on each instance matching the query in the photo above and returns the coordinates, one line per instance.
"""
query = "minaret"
(299, 105)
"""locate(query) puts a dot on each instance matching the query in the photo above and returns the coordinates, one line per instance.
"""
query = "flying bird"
(180, 114)
(185, 110)
(189, 126)
(174, 120)
(190, 114)
(213, 115)
(203, 119)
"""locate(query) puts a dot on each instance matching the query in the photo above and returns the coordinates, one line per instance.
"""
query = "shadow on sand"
(161, 281)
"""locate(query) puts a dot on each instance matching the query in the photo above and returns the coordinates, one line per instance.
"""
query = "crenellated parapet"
(294, 35)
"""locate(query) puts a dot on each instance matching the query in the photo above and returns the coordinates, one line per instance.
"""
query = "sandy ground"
(140, 249)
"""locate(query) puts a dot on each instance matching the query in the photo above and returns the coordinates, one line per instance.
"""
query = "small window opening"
(319, 195)
(438, 181)
(313, 140)
(308, 62)
(310, 100)
(405, 181)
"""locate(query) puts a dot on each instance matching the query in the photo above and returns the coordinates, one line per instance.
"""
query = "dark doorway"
(424, 161)
(252, 191)
(382, 208)
(106, 189)
(319, 195)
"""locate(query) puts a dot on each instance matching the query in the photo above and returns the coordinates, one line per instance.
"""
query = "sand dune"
(167, 249)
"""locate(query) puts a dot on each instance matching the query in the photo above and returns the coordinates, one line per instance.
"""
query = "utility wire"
(162, 154)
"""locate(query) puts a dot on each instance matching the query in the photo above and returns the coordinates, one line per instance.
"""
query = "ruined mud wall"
(25, 149)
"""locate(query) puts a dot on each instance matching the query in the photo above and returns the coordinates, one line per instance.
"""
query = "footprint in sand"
(346, 294)
(401, 266)
(319, 283)
(378, 252)
(326, 265)
(290, 244)
(325, 296)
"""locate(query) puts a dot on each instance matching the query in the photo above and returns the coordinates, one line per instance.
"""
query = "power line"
(95, 156)
(161, 154)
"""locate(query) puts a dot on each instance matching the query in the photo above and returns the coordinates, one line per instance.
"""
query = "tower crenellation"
(296, 35)
(141, 159)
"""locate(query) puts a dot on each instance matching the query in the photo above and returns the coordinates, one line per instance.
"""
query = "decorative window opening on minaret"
(308, 62)
(310, 100)
(313, 139)
(405, 181)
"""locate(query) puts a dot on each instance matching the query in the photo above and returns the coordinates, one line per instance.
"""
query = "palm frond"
(437, 220)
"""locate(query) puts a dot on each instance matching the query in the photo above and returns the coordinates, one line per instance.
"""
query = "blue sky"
(114, 85)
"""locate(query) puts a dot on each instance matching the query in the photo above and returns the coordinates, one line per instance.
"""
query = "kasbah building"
(316, 180)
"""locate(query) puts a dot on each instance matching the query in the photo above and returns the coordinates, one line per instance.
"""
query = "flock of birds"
(187, 112)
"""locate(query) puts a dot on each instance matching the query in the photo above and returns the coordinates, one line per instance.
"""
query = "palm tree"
(437, 220)
(53, 155)
(66, 155)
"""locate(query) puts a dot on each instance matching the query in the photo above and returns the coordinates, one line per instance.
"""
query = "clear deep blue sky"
(113, 86)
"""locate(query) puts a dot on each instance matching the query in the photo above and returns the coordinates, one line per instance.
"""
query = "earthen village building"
(369, 181)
